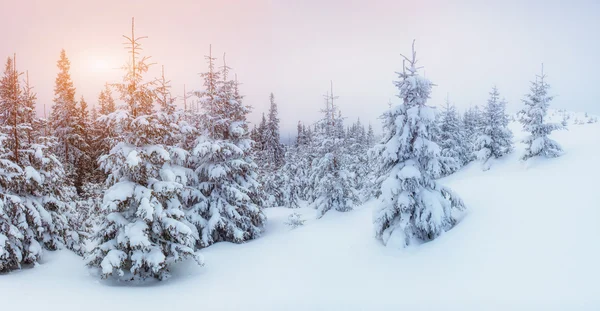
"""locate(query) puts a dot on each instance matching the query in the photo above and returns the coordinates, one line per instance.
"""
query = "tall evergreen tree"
(495, 138)
(225, 170)
(533, 120)
(370, 139)
(144, 229)
(85, 164)
(261, 143)
(35, 203)
(106, 101)
(163, 94)
(413, 206)
(472, 127)
(273, 147)
(452, 140)
(63, 116)
(332, 184)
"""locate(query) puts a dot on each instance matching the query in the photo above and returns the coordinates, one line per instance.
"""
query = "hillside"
(529, 241)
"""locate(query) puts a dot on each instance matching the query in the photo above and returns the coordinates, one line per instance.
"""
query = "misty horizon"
(294, 50)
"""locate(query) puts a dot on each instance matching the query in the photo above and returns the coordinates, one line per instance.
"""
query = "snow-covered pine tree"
(495, 138)
(274, 148)
(452, 139)
(332, 184)
(144, 229)
(84, 163)
(106, 101)
(472, 126)
(413, 206)
(370, 139)
(63, 117)
(532, 117)
(226, 172)
(35, 202)
(271, 160)
(300, 135)
(102, 134)
(163, 94)
(355, 156)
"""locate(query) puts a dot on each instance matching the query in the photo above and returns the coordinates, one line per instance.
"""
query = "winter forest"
(145, 193)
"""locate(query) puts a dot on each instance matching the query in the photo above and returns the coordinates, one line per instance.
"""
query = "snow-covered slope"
(529, 241)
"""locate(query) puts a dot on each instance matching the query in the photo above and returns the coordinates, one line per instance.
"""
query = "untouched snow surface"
(529, 241)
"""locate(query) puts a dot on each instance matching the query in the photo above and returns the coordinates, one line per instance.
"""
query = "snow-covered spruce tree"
(35, 203)
(370, 139)
(472, 127)
(356, 158)
(63, 117)
(163, 94)
(144, 229)
(532, 117)
(271, 159)
(106, 101)
(452, 139)
(495, 138)
(413, 206)
(260, 143)
(332, 184)
(84, 163)
(274, 148)
(226, 172)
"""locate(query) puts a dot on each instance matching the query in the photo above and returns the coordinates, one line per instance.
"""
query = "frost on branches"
(495, 138)
(144, 230)
(532, 117)
(36, 209)
(413, 207)
(332, 183)
(226, 172)
(452, 140)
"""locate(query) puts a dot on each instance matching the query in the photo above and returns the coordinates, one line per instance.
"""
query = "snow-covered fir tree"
(413, 206)
(225, 170)
(495, 138)
(163, 94)
(272, 144)
(85, 163)
(533, 119)
(472, 127)
(452, 139)
(370, 139)
(356, 158)
(144, 229)
(270, 161)
(106, 101)
(36, 204)
(63, 117)
(332, 184)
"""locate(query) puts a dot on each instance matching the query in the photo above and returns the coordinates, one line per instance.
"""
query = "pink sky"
(294, 48)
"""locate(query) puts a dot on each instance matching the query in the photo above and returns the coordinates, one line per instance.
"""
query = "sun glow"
(98, 65)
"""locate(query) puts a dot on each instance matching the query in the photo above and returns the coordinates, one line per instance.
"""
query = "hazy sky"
(294, 48)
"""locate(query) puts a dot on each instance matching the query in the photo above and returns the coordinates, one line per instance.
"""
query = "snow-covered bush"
(295, 220)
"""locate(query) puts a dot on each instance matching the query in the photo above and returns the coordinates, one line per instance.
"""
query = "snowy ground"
(530, 241)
